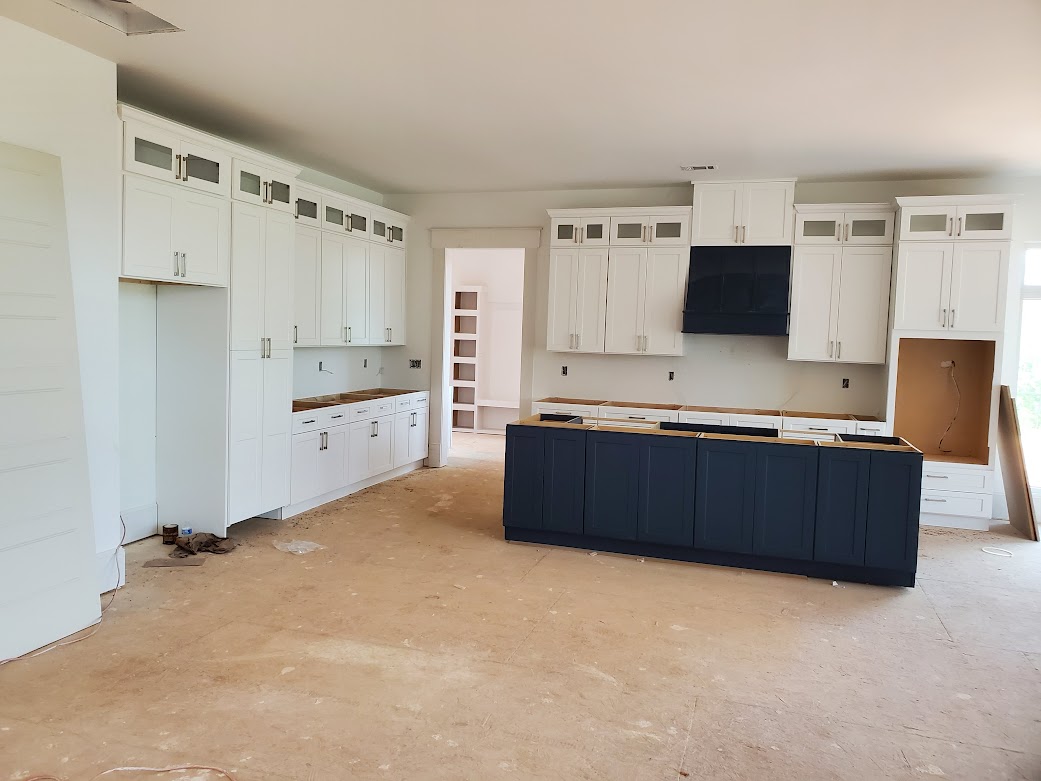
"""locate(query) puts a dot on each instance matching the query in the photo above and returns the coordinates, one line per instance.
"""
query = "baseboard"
(955, 522)
(111, 568)
(332, 496)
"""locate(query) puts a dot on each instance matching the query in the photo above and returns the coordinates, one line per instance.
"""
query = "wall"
(60, 99)
(346, 365)
(339, 185)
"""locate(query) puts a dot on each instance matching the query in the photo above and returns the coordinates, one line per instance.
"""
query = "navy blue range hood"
(738, 290)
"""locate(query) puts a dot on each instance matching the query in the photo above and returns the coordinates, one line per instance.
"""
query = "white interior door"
(333, 329)
(148, 229)
(590, 303)
(923, 278)
(863, 305)
(663, 289)
(977, 286)
(356, 290)
(307, 281)
(815, 281)
(279, 241)
(560, 321)
(624, 311)
(47, 580)
(247, 276)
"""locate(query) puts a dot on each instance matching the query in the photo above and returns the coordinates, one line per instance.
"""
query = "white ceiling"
(472, 95)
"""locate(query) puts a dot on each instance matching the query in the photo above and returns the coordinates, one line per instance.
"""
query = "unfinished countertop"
(347, 397)
(676, 407)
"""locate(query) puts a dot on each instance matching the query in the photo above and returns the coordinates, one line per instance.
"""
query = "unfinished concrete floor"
(419, 645)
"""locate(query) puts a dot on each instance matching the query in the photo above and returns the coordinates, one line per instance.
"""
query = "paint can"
(169, 533)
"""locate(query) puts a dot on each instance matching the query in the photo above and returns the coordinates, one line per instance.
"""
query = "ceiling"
(487, 95)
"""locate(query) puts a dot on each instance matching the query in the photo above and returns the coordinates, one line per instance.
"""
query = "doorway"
(1028, 381)
(483, 332)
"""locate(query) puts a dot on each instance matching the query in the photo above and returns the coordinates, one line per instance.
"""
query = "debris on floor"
(298, 547)
(202, 542)
(188, 561)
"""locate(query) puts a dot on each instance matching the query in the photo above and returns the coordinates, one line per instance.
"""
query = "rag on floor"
(202, 542)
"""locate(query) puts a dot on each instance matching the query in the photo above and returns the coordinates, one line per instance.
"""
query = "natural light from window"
(1028, 389)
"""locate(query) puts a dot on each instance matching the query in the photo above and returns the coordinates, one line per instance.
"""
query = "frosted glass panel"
(566, 232)
(668, 230)
(928, 223)
(359, 222)
(379, 228)
(150, 153)
(819, 228)
(249, 183)
(280, 192)
(397, 234)
(985, 221)
(201, 168)
(307, 208)
(333, 216)
(595, 230)
(867, 228)
(630, 230)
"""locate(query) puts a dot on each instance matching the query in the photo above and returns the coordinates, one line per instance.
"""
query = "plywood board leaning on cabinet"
(943, 398)
(1021, 513)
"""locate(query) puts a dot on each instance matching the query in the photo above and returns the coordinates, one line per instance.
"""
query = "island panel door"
(894, 494)
(786, 500)
(612, 484)
(842, 505)
(724, 495)
(666, 513)
(522, 491)
(564, 480)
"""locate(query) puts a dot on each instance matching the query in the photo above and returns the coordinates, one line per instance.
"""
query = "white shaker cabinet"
(163, 154)
(370, 448)
(738, 213)
(815, 276)
(256, 184)
(307, 287)
(356, 291)
(577, 299)
(586, 231)
(332, 330)
(645, 289)
(263, 242)
(410, 437)
(923, 286)
(393, 295)
(308, 210)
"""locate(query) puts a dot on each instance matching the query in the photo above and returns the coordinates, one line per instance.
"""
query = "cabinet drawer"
(957, 503)
(956, 480)
(707, 418)
(403, 402)
(755, 421)
(362, 411)
(306, 421)
(565, 409)
(819, 426)
(334, 416)
(421, 400)
(877, 428)
(638, 414)
(384, 407)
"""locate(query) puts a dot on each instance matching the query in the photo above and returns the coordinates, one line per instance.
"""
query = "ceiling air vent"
(121, 15)
(697, 168)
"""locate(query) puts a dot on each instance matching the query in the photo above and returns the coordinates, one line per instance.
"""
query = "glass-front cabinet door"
(204, 168)
(336, 215)
(280, 193)
(565, 231)
(255, 184)
(868, 228)
(927, 223)
(358, 222)
(595, 231)
(984, 222)
(628, 231)
(151, 152)
(308, 208)
(673, 230)
(379, 228)
(819, 228)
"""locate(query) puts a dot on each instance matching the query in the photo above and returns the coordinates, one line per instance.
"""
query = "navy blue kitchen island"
(843, 510)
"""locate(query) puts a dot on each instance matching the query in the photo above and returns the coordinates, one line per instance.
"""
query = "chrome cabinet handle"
(815, 428)
(838, 231)
(177, 174)
(390, 334)
(337, 417)
(847, 232)
(347, 223)
(930, 499)
(345, 333)
(184, 264)
(838, 350)
(952, 313)
(377, 427)
(313, 420)
(348, 333)
(950, 226)
(295, 334)
(831, 347)
(574, 234)
(650, 233)
(296, 210)
(582, 234)
(944, 318)
(959, 226)
(735, 234)
(177, 264)
(637, 417)
(939, 477)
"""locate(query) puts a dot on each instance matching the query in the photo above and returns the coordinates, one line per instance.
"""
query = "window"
(1028, 383)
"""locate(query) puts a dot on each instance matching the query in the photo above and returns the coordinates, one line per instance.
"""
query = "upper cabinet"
(665, 226)
(951, 220)
(737, 213)
(387, 227)
(308, 207)
(858, 224)
(263, 186)
(160, 154)
(590, 231)
(342, 215)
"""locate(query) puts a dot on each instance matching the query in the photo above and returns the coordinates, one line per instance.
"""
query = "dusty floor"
(419, 645)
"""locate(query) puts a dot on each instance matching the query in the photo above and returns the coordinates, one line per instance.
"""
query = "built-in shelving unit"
(466, 306)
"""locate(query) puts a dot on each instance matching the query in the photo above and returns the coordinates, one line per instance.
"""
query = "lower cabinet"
(564, 481)
(894, 490)
(319, 463)
(370, 448)
(724, 495)
(522, 499)
(842, 505)
(785, 500)
(410, 437)
(640, 487)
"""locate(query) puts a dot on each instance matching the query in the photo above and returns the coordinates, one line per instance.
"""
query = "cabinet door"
(868, 228)
(595, 231)
(984, 222)
(308, 208)
(377, 293)
(815, 290)
(205, 168)
(785, 501)
(357, 221)
(564, 231)
(418, 438)
(381, 446)
(923, 279)
(590, 303)
(863, 304)
(379, 229)
(402, 429)
(248, 183)
(669, 231)
(202, 232)
(717, 211)
(612, 499)
(148, 229)
(277, 428)
(307, 286)
(332, 463)
(303, 482)
(624, 330)
(560, 322)
(978, 283)
(894, 502)
(767, 212)
(336, 215)
(356, 290)
(245, 434)
(819, 228)
(927, 223)
(151, 152)
(281, 193)
(279, 243)
(333, 330)
(247, 276)
(394, 294)
(842, 505)
(628, 231)
(564, 480)
(724, 495)
(358, 439)
(667, 484)
(664, 283)
(522, 501)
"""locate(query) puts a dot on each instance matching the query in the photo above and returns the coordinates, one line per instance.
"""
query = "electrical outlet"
(365, 363)
(320, 367)
(845, 382)
(563, 371)
(415, 363)
(672, 376)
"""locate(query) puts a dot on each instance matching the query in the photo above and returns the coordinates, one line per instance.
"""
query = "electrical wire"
(957, 409)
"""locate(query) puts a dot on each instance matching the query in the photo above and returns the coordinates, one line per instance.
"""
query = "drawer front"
(306, 421)
(957, 503)
(969, 481)
(421, 400)
(403, 402)
(757, 421)
(385, 407)
(334, 416)
(362, 411)
(564, 409)
(819, 426)
(872, 428)
(708, 418)
(633, 414)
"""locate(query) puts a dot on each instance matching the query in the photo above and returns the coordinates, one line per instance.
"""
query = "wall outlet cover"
(845, 382)
(365, 363)
(563, 371)
(672, 376)
(415, 363)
